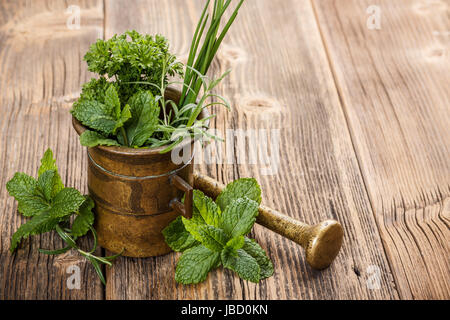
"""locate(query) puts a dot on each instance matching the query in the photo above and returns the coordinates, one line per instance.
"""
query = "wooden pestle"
(322, 242)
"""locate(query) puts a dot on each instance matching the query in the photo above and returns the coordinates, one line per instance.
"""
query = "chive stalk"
(201, 60)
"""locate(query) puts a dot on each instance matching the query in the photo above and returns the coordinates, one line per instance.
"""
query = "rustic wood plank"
(394, 86)
(280, 80)
(42, 72)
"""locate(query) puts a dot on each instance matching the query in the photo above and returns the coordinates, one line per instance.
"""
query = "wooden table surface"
(364, 138)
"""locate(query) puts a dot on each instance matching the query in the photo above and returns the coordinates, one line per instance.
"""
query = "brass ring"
(140, 178)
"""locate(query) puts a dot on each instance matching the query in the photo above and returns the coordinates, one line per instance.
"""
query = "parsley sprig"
(131, 57)
(215, 235)
(51, 206)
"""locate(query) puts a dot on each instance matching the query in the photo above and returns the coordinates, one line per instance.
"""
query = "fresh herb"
(183, 123)
(50, 206)
(133, 57)
(127, 105)
(200, 60)
(215, 235)
(110, 119)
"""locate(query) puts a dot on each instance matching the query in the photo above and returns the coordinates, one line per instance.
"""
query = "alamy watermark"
(74, 280)
(374, 19)
(259, 147)
(74, 20)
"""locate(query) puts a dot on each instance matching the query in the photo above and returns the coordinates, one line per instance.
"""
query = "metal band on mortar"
(170, 173)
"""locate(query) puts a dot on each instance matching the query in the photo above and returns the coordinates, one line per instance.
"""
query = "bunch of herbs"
(51, 206)
(127, 105)
(216, 235)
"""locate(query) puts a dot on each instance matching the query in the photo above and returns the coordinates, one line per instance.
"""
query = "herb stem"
(124, 134)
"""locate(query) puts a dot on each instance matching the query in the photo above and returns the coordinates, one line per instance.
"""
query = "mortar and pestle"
(137, 194)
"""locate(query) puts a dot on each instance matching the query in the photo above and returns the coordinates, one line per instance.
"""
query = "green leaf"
(177, 238)
(38, 224)
(246, 187)
(84, 219)
(239, 217)
(66, 237)
(207, 208)
(258, 253)
(212, 238)
(55, 252)
(48, 162)
(46, 184)
(92, 139)
(195, 264)
(144, 118)
(236, 243)
(95, 115)
(112, 100)
(97, 268)
(21, 186)
(25, 190)
(124, 116)
(67, 201)
(242, 263)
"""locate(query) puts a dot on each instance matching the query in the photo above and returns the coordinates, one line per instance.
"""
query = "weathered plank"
(41, 72)
(280, 80)
(394, 86)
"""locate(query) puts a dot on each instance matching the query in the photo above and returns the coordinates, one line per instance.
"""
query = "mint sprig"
(51, 206)
(215, 235)
(132, 125)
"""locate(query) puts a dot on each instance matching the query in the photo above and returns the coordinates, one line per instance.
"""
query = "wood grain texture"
(280, 80)
(41, 73)
(393, 84)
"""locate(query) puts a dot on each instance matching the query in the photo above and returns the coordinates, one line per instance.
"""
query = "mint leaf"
(50, 204)
(95, 115)
(38, 224)
(123, 117)
(46, 184)
(21, 186)
(236, 243)
(92, 139)
(66, 202)
(239, 217)
(258, 253)
(25, 190)
(32, 206)
(242, 263)
(211, 237)
(112, 100)
(246, 187)
(84, 219)
(177, 238)
(195, 264)
(206, 207)
(32, 195)
(144, 118)
(49, 163)
(221, 232)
